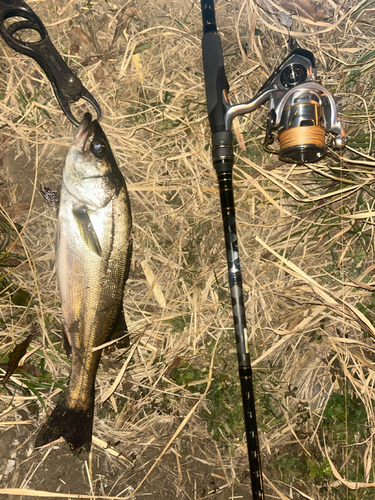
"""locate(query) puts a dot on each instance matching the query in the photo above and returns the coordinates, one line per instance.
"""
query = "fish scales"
(93, 252)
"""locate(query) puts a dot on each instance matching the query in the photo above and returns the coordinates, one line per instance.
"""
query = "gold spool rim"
(311, 103)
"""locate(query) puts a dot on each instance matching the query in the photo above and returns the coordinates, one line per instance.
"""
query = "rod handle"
(215, 79)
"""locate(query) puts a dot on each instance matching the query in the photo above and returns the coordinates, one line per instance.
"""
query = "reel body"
(301, 111)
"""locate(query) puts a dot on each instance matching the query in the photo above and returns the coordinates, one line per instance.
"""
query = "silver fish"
(93, 253)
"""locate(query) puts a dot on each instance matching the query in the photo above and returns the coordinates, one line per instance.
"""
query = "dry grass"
(306, 239)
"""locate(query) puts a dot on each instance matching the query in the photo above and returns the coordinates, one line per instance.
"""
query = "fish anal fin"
(74, 425)
(119, 330)
(86, 229)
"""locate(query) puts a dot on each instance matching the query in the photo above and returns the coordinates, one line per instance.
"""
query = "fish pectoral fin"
(86, 229)
(119, 330)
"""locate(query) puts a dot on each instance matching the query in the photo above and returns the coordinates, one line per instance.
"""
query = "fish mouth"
(85, 130)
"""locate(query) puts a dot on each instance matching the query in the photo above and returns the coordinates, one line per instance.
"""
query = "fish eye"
(98, 147)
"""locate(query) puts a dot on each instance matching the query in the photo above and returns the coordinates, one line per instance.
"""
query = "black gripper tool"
(67, 86)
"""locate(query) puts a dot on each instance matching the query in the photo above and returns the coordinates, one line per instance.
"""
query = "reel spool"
(301, 132)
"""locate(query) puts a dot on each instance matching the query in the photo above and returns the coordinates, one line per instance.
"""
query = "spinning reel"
(301, 111)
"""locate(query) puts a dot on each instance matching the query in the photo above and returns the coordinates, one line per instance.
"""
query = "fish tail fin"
(73, 424)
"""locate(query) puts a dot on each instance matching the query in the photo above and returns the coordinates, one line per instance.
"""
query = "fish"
(93, 255)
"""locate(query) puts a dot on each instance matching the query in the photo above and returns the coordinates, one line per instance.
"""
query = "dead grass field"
(168, 418)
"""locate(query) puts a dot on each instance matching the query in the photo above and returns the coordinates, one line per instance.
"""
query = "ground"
(172, 426)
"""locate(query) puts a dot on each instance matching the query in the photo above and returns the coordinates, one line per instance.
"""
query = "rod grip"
(215, 80)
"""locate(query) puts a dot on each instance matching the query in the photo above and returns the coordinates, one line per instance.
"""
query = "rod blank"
(222, 157)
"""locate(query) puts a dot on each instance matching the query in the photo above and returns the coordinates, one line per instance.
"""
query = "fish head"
(91, 173)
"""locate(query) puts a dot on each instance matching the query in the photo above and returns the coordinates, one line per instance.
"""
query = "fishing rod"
(302, 112)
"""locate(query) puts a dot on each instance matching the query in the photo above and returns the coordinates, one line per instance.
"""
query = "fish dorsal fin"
(86, 229)
(119, 330)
